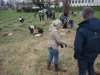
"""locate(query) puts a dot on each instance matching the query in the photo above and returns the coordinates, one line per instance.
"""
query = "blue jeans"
(84, 66)
(72, 23)
(53, 53)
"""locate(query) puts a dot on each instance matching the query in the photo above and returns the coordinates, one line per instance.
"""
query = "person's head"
(57, 23)
(87, 13)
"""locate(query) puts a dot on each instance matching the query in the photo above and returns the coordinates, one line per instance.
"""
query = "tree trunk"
(66, 5)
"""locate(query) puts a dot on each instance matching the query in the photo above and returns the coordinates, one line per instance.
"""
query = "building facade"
(85, 3)
(82, 3)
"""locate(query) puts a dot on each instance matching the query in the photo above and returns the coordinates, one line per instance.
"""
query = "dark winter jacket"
(87, 41)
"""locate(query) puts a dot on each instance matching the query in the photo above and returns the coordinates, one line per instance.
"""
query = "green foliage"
(28, 9)
(55, 9)
(80, 8)
(18, 10)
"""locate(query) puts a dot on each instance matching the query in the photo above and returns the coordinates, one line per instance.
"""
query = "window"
(88, 1)
(75, 1)
(72, 1)
(79, 1)
(82, 1)
(85, 1)
(92, 1)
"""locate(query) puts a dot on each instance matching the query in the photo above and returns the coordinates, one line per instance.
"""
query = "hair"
(56, 22)
(87, 12)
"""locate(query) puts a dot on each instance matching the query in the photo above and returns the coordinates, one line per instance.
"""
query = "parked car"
(42, 10)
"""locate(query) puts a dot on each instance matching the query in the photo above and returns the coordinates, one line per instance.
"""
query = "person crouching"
(32, 29)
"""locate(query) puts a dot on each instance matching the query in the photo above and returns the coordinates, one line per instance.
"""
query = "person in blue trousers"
(87, 42)
(54, 41)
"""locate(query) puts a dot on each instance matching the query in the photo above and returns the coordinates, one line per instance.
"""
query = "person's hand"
(61, 46)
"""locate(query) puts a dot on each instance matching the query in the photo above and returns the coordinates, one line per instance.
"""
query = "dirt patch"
(41, 45)
(28, 64)
(43, 70)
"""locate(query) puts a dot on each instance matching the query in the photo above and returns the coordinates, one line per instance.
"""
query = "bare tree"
(66, 5)
(56, 2)
(47, 3)
(13, 3)
(39, 3)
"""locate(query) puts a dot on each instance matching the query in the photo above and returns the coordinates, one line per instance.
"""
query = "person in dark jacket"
(40, 30)
(40, 16)
(87, 42)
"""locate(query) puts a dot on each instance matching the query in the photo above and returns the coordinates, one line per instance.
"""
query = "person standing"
(53, 42)
(87, 42)
(40, 16)
(50, 14)
(47, 13)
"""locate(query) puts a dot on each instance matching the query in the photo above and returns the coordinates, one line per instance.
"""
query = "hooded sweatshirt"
(54, 38)
(87, 41)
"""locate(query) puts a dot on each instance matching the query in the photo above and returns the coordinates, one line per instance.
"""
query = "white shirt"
(20, 18)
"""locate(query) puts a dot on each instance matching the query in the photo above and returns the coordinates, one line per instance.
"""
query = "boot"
(56, 68)
(48, 65)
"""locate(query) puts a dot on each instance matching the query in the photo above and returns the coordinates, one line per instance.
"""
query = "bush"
(18, 10)
(35, 10)
(30, 9)
(27, 9)
(56, 9)
(23, 8)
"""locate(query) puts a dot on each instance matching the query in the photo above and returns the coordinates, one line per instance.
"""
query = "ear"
(83, 18)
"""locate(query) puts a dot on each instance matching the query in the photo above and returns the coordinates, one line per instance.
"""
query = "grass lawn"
(24, 54)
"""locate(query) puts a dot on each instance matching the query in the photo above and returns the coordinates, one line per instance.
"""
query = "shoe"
(56, 68)
(48, 65)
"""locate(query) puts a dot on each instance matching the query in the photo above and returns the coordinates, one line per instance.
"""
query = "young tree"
(66, 5)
